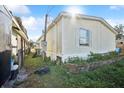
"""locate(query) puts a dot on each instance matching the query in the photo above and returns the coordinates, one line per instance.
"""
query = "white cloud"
(19, 9)
(115, 22)
(34, 26)
(34, 37)
(116, 7)
(75, 9)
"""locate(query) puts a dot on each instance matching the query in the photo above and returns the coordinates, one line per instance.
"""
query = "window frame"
(87, 37)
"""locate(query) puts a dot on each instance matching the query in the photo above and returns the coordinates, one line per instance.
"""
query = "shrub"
(76, 60)
(99, 57)
(94, 57)
(106, 76)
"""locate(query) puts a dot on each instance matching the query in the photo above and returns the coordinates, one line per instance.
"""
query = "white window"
(83, 37)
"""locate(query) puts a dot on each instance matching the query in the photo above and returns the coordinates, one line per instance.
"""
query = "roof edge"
(83, 16)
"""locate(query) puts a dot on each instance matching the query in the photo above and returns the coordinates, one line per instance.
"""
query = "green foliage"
(76, 60)
(93, 57)
(47, 61)
(32, 63)
(13, 57)
(119, 28)
(106, 76)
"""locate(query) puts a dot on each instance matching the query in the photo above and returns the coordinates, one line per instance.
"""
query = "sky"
(33, 16)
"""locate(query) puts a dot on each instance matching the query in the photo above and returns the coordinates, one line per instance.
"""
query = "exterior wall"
(39, 44)
(14, 43)
(70, 38)
(107, 39)
(5, 45)
(7, 39)
(54, 41)
(18, 47)
(19, 50)
(5, 29)
(19, 42)
(63, 38)
(51, 43)
(101, 38)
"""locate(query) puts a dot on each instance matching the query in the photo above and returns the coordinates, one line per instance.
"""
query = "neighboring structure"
(40, 39)
(40, 45)
(70, 36)
(19, 41)
(5, 44)
(120, 38)
(13, 42)
(33, 47)
(120, 42)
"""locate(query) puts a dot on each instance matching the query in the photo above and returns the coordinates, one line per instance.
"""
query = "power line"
(47, 9)
(50, 9)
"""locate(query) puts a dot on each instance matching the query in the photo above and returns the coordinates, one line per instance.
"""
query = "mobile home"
(5, 44)
(77, 36)
(12, 39)
(19, 41)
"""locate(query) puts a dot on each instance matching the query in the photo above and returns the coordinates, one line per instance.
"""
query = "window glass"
(83, 37)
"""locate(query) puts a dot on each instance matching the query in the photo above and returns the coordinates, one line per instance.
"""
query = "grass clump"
(93, 57)
(76, 60)
(106, 76)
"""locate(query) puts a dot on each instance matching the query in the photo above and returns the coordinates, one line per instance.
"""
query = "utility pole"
(46, 16)
(44, 41)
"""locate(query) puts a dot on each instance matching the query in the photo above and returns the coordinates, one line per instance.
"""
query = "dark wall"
(5, 66)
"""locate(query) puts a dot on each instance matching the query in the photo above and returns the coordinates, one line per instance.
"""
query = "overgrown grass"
(92, 57)
(76, 60)
(52, 79)
(32, 63)
(106, 76)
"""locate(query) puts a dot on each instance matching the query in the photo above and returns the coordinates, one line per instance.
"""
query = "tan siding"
(59, 38)
(50, 42)
(63, 38)
(101, 38)
(14, 43)
(71, 37)
(107, 39)
(18, 42)
(54, 41)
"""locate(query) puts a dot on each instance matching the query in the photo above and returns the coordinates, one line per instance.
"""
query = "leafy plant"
(106, 76)
(99, 57)
(94, 57)
(76, 60)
